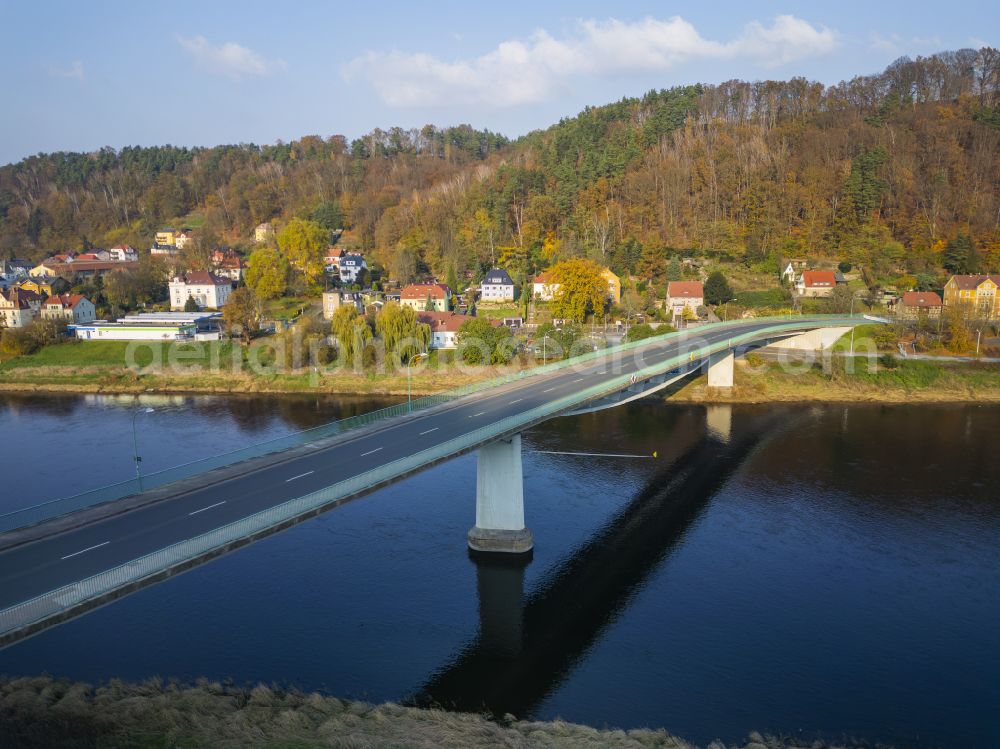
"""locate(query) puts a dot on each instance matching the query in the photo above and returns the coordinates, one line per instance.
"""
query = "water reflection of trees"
(25, 404)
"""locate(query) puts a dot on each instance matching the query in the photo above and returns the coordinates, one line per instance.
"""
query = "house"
(207, 289)
(334, 300)
(15, 268)
(92, 256)
(497, 286)
(416, 296)
(614, 286)
(684, 295)
(76, 267)
(164, 250)
(47, 268)
(152, 326)
(445, 327)
(791, 271)
(976, 295)
(44, 285)
(916, 304)
(183, 238)
(123, 254)
(545, 287)
(74, 308)
(263, 232)
(166, 237)
(331, 260)
(227, 264)
(18, 307)
(350, 267)
(816, 283)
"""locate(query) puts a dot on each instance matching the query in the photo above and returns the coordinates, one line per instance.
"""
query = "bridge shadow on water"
(525, 649)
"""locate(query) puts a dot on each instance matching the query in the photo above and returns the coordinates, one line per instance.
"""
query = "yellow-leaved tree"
(303, 243)
(582, 289)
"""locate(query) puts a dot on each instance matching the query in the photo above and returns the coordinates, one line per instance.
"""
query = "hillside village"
(287, 274)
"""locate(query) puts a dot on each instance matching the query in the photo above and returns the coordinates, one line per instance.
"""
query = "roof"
(423, 290)
(686, 290)
(202, 278)
(351, 260)
(81, 266)
(446, 322)
(335, 252)
(65, 300)
(498, 276)
(20, 298)
(818, 278)
(921, 299)
(546, 277)
(969, 282)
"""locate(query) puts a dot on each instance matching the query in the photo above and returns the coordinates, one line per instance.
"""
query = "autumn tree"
(582, 289)
(267, 272)
(242, 311)
(303, 243)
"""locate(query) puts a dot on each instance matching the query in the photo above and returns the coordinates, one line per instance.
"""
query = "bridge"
(65, 557)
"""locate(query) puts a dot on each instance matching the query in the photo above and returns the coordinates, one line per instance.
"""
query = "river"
(815, 571)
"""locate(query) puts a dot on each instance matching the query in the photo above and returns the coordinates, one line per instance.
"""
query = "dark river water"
(813, 571)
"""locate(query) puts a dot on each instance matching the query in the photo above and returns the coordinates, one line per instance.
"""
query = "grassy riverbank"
(39, 712)
(229, 367)
(216, 367)
(891, 381)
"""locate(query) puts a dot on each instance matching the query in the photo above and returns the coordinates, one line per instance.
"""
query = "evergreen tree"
(717, 289)
(960, 255)
(674, 272)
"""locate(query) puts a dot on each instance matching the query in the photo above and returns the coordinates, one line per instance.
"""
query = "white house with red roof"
(74, 308)
(816, 283)
(445, 327)
(208, 290)
(683, 295)
(18, 307)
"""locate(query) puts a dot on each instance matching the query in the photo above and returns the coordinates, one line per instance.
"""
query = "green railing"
(26, 516)
(60, 600)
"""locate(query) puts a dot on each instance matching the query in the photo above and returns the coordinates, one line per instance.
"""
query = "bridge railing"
(65, 598)
(33, 514)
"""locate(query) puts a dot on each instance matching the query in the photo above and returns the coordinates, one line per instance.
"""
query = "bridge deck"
(34, 569)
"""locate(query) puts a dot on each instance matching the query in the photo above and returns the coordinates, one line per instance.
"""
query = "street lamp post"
(135, 445)
(979, 337)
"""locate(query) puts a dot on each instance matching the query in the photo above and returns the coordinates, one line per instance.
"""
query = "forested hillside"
(882, 170)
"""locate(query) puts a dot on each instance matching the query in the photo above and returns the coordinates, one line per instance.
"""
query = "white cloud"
(75, 70)
(523, 72)
(229, 59)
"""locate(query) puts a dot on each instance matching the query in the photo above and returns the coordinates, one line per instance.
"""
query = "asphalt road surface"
(35, 568)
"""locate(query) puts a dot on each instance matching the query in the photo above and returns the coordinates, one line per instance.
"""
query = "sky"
(85, 75)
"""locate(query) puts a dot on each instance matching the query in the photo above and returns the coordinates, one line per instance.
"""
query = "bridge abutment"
(499, 524)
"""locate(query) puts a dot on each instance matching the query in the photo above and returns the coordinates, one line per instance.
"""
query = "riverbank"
(100, 367)
(37, 712)
(889, 381)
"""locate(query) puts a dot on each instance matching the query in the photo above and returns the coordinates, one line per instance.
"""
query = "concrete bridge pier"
(720, 369)
(499, 524)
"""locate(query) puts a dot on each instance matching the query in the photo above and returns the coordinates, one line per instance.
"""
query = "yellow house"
(614, 285)
(976, 295)
(166, 237)
(42, 270)
(263, 232)
(44, 285)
